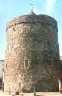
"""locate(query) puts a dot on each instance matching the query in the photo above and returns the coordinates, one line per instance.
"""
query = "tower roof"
(33, 18)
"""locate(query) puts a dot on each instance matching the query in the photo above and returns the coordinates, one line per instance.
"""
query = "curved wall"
(32, 45)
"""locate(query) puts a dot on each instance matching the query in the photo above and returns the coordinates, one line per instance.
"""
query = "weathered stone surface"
(32, 50)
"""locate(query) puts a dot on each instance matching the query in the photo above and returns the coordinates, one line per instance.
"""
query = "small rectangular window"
(26, 64)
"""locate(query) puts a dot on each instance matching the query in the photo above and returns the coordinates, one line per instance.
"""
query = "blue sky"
(12, 8)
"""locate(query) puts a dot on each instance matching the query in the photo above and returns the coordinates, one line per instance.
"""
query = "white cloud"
(50, 4)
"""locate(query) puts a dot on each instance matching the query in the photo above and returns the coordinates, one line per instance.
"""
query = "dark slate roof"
(32, 18)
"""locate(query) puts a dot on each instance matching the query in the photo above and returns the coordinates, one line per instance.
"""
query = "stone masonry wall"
(32, 47)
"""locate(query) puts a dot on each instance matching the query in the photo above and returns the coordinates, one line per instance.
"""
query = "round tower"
(32, 50)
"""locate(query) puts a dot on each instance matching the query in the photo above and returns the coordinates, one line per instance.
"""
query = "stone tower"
(32, 50)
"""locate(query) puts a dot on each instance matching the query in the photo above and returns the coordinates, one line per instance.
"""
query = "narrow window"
(26, 64)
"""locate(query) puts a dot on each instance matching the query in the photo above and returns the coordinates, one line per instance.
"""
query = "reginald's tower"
(32, 51)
